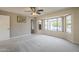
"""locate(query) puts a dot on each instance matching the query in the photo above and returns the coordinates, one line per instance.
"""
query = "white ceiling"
(20, 10)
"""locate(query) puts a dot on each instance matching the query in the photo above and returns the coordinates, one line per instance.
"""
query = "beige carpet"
(37, 43)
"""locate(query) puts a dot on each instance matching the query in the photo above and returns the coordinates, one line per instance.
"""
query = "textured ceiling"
(20, 10)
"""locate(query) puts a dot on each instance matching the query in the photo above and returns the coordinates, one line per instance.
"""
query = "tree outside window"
(54, 24)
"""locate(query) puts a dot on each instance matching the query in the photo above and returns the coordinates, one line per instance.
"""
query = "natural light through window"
(53, 24)
(68, 23)
(60, 27)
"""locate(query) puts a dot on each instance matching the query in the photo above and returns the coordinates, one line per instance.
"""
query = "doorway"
(33, 26)
(4, 27)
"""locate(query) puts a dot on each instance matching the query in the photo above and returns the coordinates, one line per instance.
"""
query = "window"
(54, 24)
(68, 23)
(60, 25)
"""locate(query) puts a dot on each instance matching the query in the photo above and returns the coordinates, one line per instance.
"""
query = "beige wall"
(17, 29)
(68, 36)
(76, 25)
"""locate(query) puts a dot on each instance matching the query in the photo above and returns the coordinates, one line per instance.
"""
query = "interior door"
(4, 27)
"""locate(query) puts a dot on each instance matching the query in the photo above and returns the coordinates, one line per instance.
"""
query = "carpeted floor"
(37, 43)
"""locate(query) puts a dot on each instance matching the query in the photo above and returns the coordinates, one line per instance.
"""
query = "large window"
(53, 24)
(68, 23)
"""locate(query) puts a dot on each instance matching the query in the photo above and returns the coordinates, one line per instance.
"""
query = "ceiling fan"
(35, 11)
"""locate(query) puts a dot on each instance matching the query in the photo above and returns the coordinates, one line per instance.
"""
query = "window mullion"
(57, 25)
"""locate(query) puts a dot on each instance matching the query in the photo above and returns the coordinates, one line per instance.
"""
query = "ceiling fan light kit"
(34, 13)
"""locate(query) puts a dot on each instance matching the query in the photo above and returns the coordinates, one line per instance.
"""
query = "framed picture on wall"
(21, 19)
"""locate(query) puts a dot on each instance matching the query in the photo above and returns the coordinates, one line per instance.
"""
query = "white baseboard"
(76, 42)
(20, 36)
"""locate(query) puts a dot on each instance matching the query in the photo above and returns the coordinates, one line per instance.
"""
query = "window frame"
(44, 25)
(57, 24)
(53, 21)
(66, 23)
(62, 24)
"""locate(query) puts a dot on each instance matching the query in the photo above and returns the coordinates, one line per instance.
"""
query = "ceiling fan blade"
(38, 13)
(41, 10)
(33, 9)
